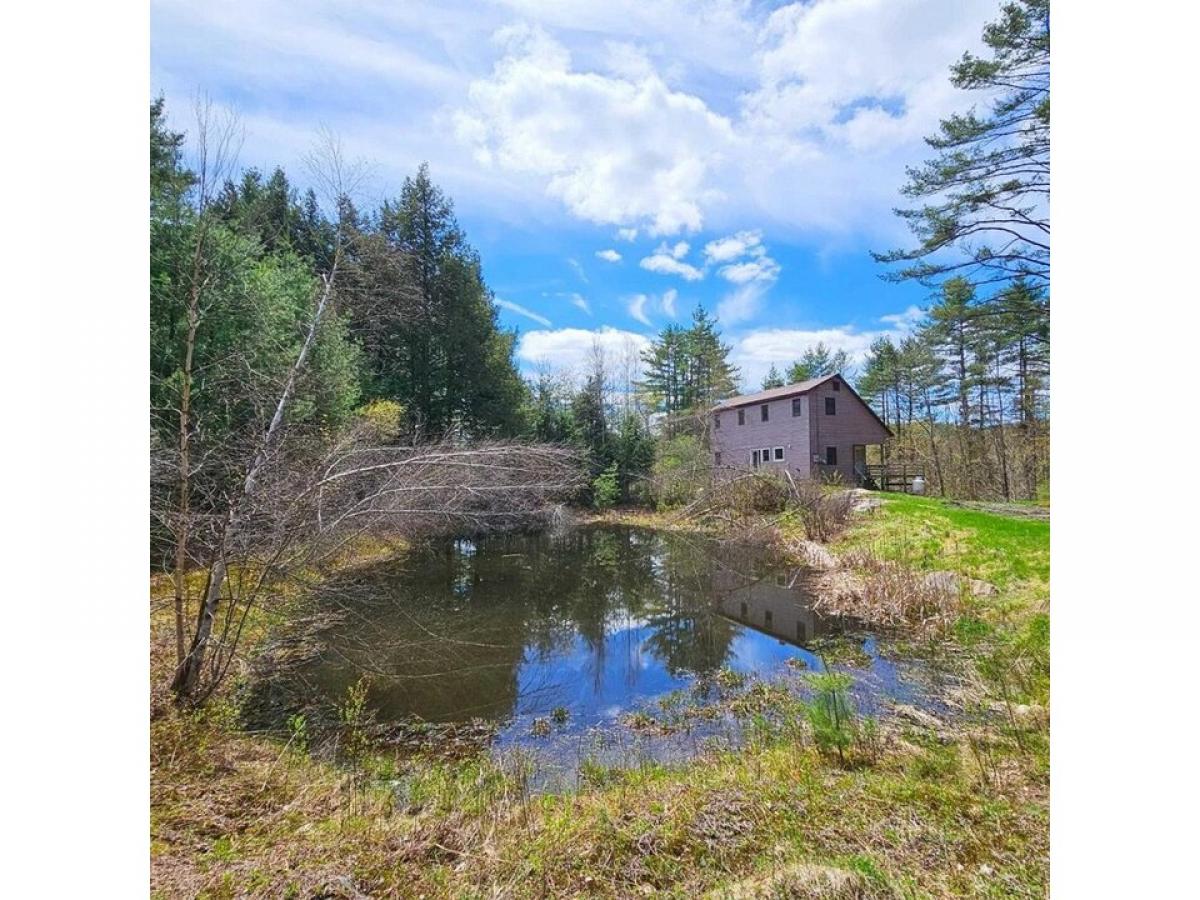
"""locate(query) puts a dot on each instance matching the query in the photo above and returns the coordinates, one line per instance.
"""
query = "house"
(815, 429)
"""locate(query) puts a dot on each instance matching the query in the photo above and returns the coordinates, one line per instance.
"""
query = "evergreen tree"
(817, 362)
(985, 212)
(710, 377)
(439, 349)
(773, 380)
(952, 330)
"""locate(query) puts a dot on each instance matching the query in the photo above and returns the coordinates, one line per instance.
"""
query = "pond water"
(582, 628)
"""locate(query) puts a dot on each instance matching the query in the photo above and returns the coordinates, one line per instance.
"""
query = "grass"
(941, 813)
(927, 533)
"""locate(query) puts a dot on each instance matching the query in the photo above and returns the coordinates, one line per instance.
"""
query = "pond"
(556, 639)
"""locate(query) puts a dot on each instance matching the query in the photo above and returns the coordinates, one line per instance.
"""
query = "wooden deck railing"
(894, 476)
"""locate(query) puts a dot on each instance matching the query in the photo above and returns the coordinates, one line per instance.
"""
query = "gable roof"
(795, 390)
(779, 393)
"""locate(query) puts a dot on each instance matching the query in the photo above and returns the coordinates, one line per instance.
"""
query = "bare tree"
(289, 498)
(218, 140)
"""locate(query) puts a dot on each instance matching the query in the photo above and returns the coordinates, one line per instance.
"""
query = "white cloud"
(579, 301)
(832, 98)
(668, 260)
(564, 348)
(740, 305)
(637, 308)
(668, 302)
(735, 246)
(618, 149)
(755, 351)
(666, 265)
(609, 255)
(904, 321)
(747, 265)
(663, 117)
(761, 269)
(523, 311)
(577, 269)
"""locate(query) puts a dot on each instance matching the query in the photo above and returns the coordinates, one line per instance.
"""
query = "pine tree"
(985, 214)
(773, 380)
(817, 362)
(688, 369)
(444, 356)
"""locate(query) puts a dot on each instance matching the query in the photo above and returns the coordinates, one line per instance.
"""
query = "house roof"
(779, 393)
(794, 390)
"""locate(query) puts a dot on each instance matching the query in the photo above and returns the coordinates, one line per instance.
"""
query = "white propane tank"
(918, 485)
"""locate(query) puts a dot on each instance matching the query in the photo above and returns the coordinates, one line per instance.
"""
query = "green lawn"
(1012, 552)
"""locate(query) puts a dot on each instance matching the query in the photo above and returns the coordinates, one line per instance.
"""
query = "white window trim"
(778, 455)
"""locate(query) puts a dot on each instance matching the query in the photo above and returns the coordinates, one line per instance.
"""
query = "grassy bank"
(928, 809)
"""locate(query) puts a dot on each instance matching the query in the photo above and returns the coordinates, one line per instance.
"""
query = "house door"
(754, 459)
(859, 452)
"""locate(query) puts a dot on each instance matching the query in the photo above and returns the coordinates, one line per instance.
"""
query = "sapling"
(831, 713)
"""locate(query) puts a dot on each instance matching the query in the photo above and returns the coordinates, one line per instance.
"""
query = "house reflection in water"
(779, 605)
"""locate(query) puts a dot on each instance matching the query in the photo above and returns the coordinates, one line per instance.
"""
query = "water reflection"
(596, 621)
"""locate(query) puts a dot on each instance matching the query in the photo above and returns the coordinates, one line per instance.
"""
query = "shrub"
(680, 472)
(384, 418)
(824, 512)
(760, 493)
(606, 488)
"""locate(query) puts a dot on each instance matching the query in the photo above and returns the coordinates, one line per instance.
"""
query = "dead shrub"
(885, 593)
(824, 512)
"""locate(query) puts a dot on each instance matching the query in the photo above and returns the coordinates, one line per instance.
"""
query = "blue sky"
(615, 162)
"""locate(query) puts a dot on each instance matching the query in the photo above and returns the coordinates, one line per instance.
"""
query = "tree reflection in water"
(594, 620)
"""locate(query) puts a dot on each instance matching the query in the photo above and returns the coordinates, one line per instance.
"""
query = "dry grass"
(887, 594)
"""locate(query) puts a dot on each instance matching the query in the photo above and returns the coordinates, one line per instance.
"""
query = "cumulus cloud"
(833, 99)
(523, 311)
(660, 118)
(761, 269)
(742, 261)
(616, 149)
(668, 260)
(735, 246)
(755, 351)
(563, 348)
(609, 255)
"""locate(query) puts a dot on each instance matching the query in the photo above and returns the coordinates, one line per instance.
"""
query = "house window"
(717, 458)
(766, 454)
(831, 406)
(797, 406)
(754, 459)
(768, 618)
(778, 454)
(801, 632)
(717, 421)
(831, 456)
(745, 611)
(837, 385)
(741, 417)
(766, 412)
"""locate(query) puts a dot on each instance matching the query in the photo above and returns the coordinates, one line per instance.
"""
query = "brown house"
(813, 429)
